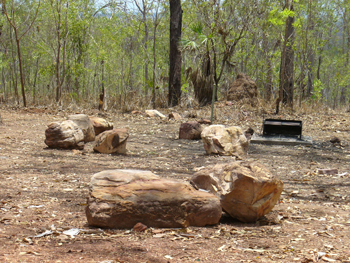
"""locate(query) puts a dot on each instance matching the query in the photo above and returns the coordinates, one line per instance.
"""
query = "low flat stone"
(123, 198)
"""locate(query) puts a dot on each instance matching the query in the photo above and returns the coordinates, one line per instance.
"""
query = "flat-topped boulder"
(247, 190)
(123, 198)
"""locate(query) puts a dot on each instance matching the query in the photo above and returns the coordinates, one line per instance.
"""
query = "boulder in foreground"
(123, 198)
(247, 190)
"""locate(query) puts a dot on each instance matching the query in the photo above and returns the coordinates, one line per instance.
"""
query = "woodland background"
(59, 52)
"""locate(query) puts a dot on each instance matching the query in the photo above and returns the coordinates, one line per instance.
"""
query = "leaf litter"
(44, 194)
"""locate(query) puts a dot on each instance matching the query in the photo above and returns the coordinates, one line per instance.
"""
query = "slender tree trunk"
(146, 47)
(103, 90)
(13, 70)
(175, 53)
(287, 64)
(268, 84)
(58, 82)
(35, 78)
(154, 67)
(21, 69)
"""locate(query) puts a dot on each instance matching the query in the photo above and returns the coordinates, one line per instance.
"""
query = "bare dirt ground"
(44, 191)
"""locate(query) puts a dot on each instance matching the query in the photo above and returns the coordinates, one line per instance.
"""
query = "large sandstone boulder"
(123, 198)
(224, 141)
(190, 130)
(65, 134)
(247, 190)
(112, 141)
(100, 125)
(243, 90)
(83, 121)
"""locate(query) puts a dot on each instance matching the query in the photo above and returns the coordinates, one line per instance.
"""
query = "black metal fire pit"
(286, 128)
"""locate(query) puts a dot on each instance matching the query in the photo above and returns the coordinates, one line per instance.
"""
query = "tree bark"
(175, 53)
(287, 64)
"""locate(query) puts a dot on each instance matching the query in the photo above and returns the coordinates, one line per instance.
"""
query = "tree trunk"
(58, 82)
(154, 65)
(21, 70)
(287, 64)
(175, 53)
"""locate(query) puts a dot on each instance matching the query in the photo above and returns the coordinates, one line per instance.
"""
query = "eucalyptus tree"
(20, 28)
(145, 7)
(175, 53)
(286, 88)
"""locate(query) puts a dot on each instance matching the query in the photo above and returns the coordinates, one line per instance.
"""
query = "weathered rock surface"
(112, 141)
(174, 115)
(123, 198)
(224, 141)
(154, 113)
(84, 123)
(100, 125)
(190, 130)
(244, 90)
(66, 134)
(247, 190)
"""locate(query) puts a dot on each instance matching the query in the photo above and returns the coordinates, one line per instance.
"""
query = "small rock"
(139, 227)
(112, 141)
(175, 116)
(190, 130)
(154, 113)
(204, 121)
(100, 125)
(327, 171)
(335, 140)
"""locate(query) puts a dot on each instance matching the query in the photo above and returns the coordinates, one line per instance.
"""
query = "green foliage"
(248, 34)
(318, 88)
(278, 18)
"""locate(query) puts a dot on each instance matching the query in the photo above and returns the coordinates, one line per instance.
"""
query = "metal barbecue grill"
(285, 128)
